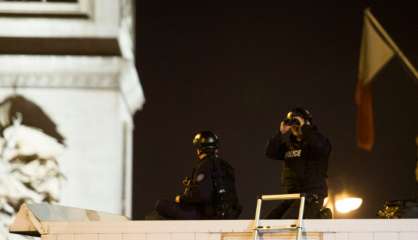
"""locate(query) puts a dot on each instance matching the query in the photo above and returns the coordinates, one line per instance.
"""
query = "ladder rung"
(276, 228)
(281, 197)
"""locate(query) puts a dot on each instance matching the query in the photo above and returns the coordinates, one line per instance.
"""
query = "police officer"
(203, 190)
(305, 153)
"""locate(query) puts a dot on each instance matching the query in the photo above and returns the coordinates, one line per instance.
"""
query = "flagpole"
(392, 43)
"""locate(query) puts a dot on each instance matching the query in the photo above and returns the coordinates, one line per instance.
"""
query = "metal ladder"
(258, 229)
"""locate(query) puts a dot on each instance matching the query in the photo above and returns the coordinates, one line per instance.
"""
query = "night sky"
(237, 69)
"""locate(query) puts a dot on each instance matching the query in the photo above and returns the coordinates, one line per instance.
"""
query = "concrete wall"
(233, 230)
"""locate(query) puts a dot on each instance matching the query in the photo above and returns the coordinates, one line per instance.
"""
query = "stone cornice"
(101, 73)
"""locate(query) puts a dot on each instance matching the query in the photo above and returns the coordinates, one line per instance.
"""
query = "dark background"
(237, 69)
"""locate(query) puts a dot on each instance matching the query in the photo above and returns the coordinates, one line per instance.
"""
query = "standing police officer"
(210, 191)
(305, 152)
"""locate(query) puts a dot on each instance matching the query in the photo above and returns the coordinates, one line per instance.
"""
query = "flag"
(375, 52)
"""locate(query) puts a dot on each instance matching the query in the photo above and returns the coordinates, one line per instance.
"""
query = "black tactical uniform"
(197, 200)
(305, 170)
(201, 197)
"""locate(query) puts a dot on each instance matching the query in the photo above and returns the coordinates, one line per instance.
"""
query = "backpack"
(226, 202)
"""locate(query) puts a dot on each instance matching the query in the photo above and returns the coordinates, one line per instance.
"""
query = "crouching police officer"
(305, 153)
(210, 192)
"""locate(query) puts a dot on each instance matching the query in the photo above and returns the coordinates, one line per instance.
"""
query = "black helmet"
(205, 140)
(300, 112)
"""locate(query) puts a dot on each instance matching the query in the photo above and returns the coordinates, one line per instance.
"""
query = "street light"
(348, 204)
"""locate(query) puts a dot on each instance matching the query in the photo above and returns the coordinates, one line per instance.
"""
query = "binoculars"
(291, 122)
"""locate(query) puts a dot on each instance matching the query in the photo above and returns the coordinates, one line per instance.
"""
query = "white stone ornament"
(29, 171)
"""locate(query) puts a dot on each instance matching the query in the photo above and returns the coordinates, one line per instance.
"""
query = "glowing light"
(325, 202)
(349, 204)
(329, 203)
